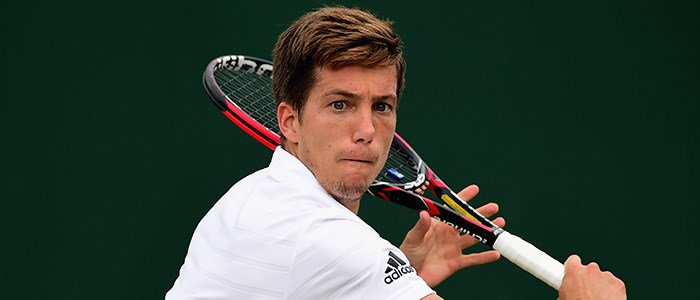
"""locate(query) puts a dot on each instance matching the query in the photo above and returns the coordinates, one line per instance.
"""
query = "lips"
(369, 159)
(361, 160)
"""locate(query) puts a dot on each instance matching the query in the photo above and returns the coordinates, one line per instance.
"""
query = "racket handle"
(530, 259)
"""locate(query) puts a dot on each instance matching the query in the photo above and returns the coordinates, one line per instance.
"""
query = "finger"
(416, 234)
(468, 192)
(466, 241)
(443, 230)
(421, 189)
(572, 262)
(488, 209)
(481, 258)
(500, 222)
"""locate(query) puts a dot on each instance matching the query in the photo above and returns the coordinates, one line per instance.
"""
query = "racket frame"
(455, 212)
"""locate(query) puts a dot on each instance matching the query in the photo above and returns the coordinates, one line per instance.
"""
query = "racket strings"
(252, 93)
(398, 162)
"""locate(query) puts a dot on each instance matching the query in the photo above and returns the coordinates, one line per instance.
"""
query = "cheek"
(388, 129)
(388, 122)
(318, 146)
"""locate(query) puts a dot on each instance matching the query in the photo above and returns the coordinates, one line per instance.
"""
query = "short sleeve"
(341, 259)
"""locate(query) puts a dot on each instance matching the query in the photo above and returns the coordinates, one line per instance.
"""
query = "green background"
(580, 119)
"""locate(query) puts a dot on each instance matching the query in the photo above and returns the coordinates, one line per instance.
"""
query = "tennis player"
(291, 230)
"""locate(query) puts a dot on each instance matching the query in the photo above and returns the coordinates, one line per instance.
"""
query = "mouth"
(359, 167)
(363, 159)
(360, 160)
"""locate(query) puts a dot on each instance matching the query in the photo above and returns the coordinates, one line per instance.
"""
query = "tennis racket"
(240, 86)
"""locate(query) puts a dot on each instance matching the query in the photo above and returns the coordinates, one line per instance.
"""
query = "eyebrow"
(350, 95)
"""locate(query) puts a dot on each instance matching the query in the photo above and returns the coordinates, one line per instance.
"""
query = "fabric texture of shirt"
(277, 234)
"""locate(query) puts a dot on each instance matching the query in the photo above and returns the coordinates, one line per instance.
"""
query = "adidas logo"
(397, 268)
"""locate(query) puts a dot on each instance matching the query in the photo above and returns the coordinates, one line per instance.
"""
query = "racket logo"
(417, 183)
(396, 268)
(240, 63)
(462, 230)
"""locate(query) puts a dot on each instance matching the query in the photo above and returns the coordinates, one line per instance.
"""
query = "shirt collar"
(285, 167)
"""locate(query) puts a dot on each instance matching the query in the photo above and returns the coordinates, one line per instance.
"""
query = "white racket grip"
(530, 259)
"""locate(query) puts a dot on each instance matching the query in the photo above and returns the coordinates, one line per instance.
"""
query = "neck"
(352, 205)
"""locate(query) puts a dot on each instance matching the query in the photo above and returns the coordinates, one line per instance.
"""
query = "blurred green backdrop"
(579, 118)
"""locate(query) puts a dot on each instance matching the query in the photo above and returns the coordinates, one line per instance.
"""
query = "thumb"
(416, 234)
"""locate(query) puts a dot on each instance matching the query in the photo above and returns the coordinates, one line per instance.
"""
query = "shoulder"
(346, 260)
(260, 199)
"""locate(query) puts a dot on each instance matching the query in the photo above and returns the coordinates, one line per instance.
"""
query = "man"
(291, 231)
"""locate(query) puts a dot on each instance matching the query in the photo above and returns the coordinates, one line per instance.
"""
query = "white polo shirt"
(277, 234)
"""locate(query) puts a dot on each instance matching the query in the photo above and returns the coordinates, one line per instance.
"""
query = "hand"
(589, 282)
(435, 248)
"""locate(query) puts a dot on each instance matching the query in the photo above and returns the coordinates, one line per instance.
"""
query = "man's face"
(346, 128)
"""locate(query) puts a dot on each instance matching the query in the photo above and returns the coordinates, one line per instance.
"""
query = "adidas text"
(397, 273)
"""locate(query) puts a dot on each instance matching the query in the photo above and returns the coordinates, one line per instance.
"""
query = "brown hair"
(334, 37)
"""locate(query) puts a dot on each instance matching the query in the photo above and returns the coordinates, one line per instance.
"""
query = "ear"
(288, 120)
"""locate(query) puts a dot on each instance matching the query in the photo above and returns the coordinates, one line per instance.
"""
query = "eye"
(382, 106)
(338, 105)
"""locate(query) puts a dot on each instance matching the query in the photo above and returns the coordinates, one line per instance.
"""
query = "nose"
(364, 126)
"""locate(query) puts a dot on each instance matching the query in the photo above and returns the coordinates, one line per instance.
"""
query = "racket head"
(241, 87)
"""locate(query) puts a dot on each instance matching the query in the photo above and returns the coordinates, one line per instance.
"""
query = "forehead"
(377, 81)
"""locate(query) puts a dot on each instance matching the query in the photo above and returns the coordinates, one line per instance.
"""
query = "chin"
(347, 190)
(348, 199)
